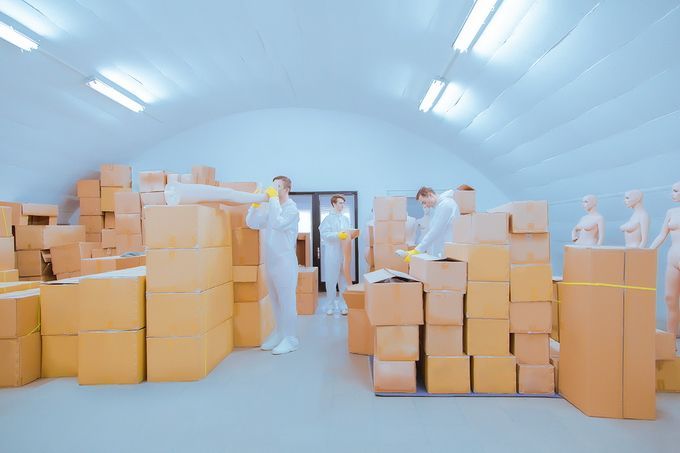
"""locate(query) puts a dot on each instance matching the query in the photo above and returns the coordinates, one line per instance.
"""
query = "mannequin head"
(676, 192)
(338, 202)
(589, 203)
(427, 197)
(632, 198)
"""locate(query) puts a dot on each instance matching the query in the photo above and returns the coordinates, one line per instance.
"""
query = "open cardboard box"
(393, 298)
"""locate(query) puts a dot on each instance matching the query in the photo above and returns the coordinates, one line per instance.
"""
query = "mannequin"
(590, 229)
(671, 225)
(636, 230)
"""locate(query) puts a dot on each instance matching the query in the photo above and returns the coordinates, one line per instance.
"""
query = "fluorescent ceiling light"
(449, 98)
(477, 18)
(20, 40)
(431, 95)
(115, 95)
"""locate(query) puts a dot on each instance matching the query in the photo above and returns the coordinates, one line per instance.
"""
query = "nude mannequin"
(636, 230)
(590, 229)
(671, 225)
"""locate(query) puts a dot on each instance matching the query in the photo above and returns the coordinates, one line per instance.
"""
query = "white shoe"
(332, 307)
(271, 342)
(344, 311)
(289, 344)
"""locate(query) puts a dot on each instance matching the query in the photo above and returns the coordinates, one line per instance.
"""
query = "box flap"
(386, 275)
(426, 257)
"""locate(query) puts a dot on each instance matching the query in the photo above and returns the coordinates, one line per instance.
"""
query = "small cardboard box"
(32, 263)
(108, 239)
(489, 337)
(111, 357)
(11, 287)
(360, 333)
(530, 317)
(447, 374)
(485, 262)
(92, 223)
(308, 280)
(397, 343)
(253, 322)
(439, 274)
(393, 298)
(19, 360)
(389, 208)
(355, 296)
(531, 283)
(394, 377)
(129, 243)
(248, 274)
(494, 375)
(19, 313)
(202, 174)
(443, 340)
(247, 247)
(252, 291)
(444, 308)
(187, 270)
(67, 275)
(488, 300)
(152, 181)
(193, 226)
(535, 379)
(93, 237)
(481, 228)
(112, 175)
(128, 224)
(91, 206)
(109, 197)
(7, 255)
(59, 307)
(668, 375)
(465, 197)
(389, 232)
(306, 303)
(109, 263)
(530, 248)
(526, 216)
(384, 256)
(109, 220)
(66, 258)
(88, 188)
(127, 203)
(11, 275)
(665, 345)
(531, 348)
(42, 237)
(153, 199)
(59, 356)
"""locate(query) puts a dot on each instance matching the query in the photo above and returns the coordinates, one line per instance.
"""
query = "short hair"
(425, 192)
(287, 183)
(337, 197)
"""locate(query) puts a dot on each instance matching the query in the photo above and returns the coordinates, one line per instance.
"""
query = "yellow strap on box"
(608, 285)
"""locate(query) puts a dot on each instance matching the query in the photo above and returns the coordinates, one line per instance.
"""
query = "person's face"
(676, 191)
(279, 186)
(339, 205)
(428, 201)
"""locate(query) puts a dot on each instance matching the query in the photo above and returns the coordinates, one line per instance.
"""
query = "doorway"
(313, 208)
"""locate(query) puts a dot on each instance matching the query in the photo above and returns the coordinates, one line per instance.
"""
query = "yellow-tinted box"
(111, 357)
(488, 337)
(447, 374)
(59, 356)
(494, 375)
(187, 270)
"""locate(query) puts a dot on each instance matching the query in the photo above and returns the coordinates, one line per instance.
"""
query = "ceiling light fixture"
(431, 95)
(474, 24)
(9, 34)
(449, 98)
(115, 95)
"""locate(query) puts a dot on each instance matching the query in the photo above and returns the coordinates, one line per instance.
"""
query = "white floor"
(317, 399)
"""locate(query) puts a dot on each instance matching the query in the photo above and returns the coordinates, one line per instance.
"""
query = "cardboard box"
(389, 208)
(555, 362)
(531, 283)
(129, 243)
(177, 359)
(253, 322)
(247, 249)
(443, 340)
(59, 356)
(39, 237)
(252, 291)
(90, 206)
(465, 198)
(92, 223)
(153, 199)
(108, 197)
(66, 258)
(444, 375)
(530, 317)
(531, 348)
(19, 360)
(535, 379)
(249, 274)
(193, 226)
(487, 337)
(31, 213)
(127, 203)
(110, 263)
(39, 210)
(202, 175)
(109, 220)
(438, 274)
(112, 175)
(188, 270)
(394, 377)
(494, 375)
(59, 307)
(19, 313)
(111, 357)
(389, 232)
(555, 333)
(488, 300)
(128, 224)
(526, 216)
(360, 333)
(108, 239)
(103, 252)
(7, 255)
(5, 221)
(112, 301)
(444, 308)
(306, 303)
(31, 263)
(397, 343)
(485, 262)
(665, 345)
(88, 188)
(530, 248)
(11, 287)
(308, 280)
(384, 257)
(11, 275)
(67, 275)
(237, 215)
(93, 237)
(393, 299)
(481, 228)
(668, 375)
(355, 296)
(172, 178)
(152, 181)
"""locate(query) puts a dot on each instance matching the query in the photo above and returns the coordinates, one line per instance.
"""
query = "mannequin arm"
(574, 233)
(662, 235)
(644, 232)
(600, 232)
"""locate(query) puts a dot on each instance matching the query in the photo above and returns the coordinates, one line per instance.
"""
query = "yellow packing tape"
(608, 285)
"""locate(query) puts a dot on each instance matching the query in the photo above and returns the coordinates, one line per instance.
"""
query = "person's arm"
(662, 235)
(438, 225)
(279, 218)
(327, 233)
(256, 217)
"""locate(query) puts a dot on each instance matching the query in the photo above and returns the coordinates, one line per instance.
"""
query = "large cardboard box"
(530, 317)
(112, 301)
(668, 375)
(526, 216)
(447, 374)
(389, 208)
(531, 283)
(110, 263)
(465, 197)
(247, 247)
(59, 310)
(253, 322)
(108, 202)
(188, 314)
(481, 228)
(487, 337)
(494, 375)
(665, 345)
(355, 296)
(444, 308)
(389, 232)
(176, 359)
(443, 340)
(397, 343)
(237, 214)
(306, 303)
(7, 255)
(153, 199)
(488, 300)
(530, 248)
(19, 360)
(66, 258)
(252, 291)
(535, 379)
(152, 181)
(92, 223)
(308, 280)
(88, 188)
(531, 348)
(111, 357)
(42, 237)
(11, 275)
(112, 175)
(19, 313)
(249, 274)
(193, 226)
(394, 377)
(438, 274)
(129, 243)
(32, 263)
(360, 333)
(202, 174)
(128, 224)
(384, 256)
(485, 262)
(90, 206)
(393, 298)
(59, 356)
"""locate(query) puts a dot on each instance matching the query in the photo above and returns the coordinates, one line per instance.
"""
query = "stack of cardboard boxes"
(190, 291)
(91, 214)
(389, 233)
(19, 337)
(114, 179)
(667, 363)
(59, 301)
(33, 244)
(307, 294)
(32, 213)
(128, 215)
(152, 187)
(8, 270)
(360, 333)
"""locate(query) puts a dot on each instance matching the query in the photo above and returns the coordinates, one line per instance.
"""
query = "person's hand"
(409, 254)
(272, 192)
(343, 235)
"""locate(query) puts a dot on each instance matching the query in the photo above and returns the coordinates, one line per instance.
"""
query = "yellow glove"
(342, 235)
(409, 254)
(272, 192)
(256, 205)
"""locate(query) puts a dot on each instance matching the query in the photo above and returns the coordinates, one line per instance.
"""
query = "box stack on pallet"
(19, 337)
(128, 215)
(91, 214)
(190, 291)
(59, 313)
(667, 363)
(307, 292)
(114, 179)
(152, 187)
(8, 264)
(360, 333)
(389, 233)
(33, 244)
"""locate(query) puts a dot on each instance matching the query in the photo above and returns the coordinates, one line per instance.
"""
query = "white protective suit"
(279, 224)
(440, 227)
(333, 258)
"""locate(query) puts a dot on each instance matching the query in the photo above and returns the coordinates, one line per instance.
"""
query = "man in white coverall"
(278, 219)
(443, 210)
(334, 229)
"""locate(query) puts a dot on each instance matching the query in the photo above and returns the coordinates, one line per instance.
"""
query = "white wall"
(319, 150)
